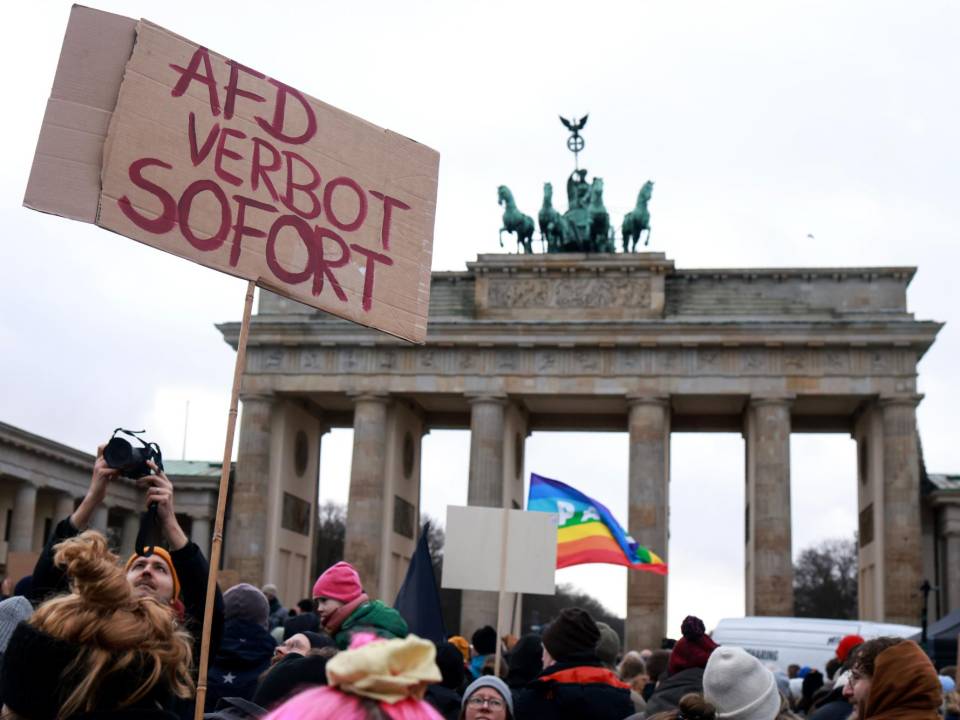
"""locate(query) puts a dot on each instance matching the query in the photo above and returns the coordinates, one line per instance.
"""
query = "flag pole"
(222, 502)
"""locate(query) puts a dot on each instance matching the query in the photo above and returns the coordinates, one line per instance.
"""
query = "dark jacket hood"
(671, 688)
(244, 644)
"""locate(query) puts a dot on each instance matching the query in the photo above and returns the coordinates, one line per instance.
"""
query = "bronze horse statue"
(638, 219)
(601, 233)
(515, 221)
(555, 230)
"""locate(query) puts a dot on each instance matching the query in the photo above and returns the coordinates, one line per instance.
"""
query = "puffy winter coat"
(579, 687)
(373, 617)
(673, 687)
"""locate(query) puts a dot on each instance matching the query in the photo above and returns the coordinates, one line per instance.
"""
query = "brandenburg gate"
(613, 342)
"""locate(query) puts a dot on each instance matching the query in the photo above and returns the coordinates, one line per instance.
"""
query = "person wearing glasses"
(487, 698)
(893, 677)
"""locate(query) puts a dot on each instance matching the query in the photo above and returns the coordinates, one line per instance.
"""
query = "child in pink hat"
(344, 608)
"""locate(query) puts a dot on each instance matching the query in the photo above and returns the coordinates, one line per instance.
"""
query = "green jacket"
(373, 617)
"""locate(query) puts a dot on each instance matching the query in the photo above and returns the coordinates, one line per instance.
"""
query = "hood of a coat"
(244, 644)
(904, 685)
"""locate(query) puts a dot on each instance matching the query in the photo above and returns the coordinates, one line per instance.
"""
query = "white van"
(784, 641)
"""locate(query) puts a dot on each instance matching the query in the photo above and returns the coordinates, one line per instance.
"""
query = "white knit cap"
(739, 686)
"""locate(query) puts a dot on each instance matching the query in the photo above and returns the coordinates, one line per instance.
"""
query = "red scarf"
(343, 612)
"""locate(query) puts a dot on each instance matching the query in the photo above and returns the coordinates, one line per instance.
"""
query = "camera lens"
(118, 453)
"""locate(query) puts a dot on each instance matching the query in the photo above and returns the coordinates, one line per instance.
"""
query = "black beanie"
(318, 639)
(288, 676)
(525, 661)
(574, 631)
(484, 640)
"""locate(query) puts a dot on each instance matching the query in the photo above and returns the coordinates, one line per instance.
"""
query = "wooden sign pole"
(504, 538)
(222, 502)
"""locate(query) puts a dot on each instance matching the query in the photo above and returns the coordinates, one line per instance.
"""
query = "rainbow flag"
(586, 530)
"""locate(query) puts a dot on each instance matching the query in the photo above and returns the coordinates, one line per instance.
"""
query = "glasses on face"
(479, 702)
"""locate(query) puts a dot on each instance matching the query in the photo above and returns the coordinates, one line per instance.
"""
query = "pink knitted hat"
(339, 582)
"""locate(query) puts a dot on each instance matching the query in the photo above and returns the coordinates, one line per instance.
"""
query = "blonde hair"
(117, 631)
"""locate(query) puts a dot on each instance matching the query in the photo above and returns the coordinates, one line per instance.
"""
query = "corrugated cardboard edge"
(65, 175)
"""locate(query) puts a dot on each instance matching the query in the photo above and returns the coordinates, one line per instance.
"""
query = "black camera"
(131, 460)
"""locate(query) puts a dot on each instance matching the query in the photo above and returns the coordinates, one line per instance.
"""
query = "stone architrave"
(648, 425)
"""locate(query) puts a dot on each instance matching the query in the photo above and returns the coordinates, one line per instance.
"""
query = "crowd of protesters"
(89, 636)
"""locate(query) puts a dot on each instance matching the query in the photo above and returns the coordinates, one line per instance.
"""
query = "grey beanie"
(490, 681)
(245, 602)
(608, 646)
(740, 687)
(12, 611)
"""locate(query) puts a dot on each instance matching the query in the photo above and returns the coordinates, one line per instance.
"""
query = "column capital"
(359, 397)
(777, 400)
(490, 398)
(635, 399)
(266, 397)
(911, 401)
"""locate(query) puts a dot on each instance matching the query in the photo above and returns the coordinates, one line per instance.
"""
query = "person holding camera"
(175, 577)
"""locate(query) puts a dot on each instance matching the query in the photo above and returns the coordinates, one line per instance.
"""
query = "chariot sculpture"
(585, 227)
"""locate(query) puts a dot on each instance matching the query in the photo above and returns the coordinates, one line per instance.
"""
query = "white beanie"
(739, 686)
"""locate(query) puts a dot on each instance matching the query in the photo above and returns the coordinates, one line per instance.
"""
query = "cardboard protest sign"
(473, 550)
(218, 163)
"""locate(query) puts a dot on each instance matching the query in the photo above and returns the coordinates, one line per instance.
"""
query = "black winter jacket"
(673, 687)
(580, 687)
(444, 700)
(192, 570)
(188, 561)
(245, 654)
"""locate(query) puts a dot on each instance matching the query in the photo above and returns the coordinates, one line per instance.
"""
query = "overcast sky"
(761, 122)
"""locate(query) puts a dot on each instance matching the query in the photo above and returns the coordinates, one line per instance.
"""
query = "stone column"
(100, 519)
(200, 534)
(23, 518)
(769, 575)
(901, 511)
(485, 489)
(128, 535)
(246, 541)
(365, 520)
(64, 508)
(648, 423)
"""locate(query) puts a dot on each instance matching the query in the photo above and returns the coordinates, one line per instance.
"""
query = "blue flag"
(419, 600)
